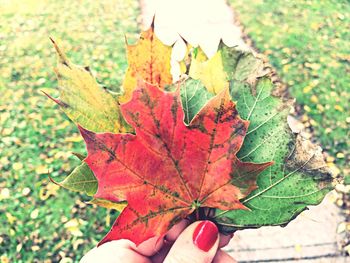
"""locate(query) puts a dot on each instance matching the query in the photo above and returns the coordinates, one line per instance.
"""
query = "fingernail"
(205, 235)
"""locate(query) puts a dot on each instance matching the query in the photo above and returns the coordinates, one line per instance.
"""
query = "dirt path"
(312, 236)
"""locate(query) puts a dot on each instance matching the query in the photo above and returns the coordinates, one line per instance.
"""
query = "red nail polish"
(205, 235)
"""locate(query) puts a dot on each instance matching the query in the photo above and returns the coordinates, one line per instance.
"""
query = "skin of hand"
(199, 242)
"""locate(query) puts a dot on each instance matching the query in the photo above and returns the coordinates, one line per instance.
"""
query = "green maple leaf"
(299, 176)
(81, 179)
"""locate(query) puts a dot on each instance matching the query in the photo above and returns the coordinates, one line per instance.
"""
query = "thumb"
(198, 243)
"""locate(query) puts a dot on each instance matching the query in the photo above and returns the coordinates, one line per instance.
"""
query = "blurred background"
(307, 41)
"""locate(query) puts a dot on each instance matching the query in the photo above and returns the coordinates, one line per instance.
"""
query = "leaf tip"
(87, 135)
(79, 155)
(87, 68)
(52, 40)
(59, 102)
(152, 23)
(126, 40)
(61, 55)
(246, 208)
(105, 239)
(53, 181)
(267, 164)
(81, 129)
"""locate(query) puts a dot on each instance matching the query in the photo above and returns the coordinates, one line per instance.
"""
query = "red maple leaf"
(168, 169)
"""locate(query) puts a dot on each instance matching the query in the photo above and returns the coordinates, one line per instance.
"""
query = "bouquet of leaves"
(215, 145)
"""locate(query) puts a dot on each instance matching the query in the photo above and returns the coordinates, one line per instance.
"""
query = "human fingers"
(198, 243)
(114, 252)
(154, 245)
(162, 253)
(176, 230)
(168, 240)
(224, 239)
(174, 233)
(222, 257)
(149, 247)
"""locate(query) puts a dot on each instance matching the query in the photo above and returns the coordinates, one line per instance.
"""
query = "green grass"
(305, 40)
(308, 43)
(36, 139)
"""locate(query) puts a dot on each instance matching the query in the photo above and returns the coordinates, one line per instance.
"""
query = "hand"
(199, 242)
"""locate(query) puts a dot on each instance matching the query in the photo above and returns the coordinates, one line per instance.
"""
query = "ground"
(39, 221)
(307, 43)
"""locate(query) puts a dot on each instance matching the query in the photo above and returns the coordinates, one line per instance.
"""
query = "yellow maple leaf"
(228, 63)
(209, 71)
(84, 100)
(149, 60)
